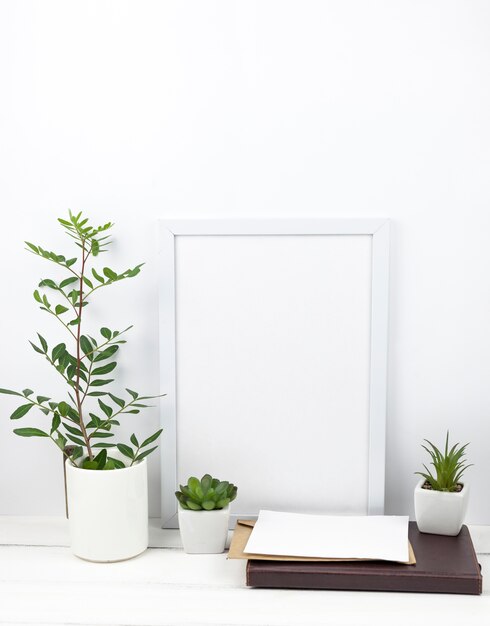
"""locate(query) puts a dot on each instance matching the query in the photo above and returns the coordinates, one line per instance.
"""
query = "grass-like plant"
(206, 494)
(84, 365)
(449, 466)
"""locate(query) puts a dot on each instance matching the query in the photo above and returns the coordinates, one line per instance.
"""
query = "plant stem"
(79, 359)
(135, 456)
(88, 382)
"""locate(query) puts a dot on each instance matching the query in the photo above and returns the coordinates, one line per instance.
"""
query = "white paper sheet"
(330, 536)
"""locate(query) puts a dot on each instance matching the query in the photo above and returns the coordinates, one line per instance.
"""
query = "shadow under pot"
(108, 512)
(204, 532)
(440, 512)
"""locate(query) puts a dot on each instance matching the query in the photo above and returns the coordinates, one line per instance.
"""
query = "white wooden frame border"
(379, 230)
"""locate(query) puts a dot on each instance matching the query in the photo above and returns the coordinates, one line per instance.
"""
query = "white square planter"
(204, 532)
(440, 512)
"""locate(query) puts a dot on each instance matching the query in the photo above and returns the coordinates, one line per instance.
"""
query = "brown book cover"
(444, 565)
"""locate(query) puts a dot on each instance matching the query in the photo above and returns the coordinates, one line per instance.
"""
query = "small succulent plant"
(206, 494)
(449, 466)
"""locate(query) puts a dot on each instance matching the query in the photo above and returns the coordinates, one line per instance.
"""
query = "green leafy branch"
(84, 370)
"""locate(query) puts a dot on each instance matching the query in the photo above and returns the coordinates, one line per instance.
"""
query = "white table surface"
(42, 583)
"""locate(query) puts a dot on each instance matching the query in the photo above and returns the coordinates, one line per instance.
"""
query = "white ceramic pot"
(204, 532)
(108, 512)
(440, 512)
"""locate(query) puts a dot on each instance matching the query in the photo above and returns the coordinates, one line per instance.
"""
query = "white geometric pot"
(440, 512)
(204, 532)
(108, 512)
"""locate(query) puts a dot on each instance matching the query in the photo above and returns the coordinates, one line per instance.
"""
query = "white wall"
(133, 111)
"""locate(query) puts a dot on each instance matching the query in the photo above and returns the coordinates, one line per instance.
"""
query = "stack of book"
(433, 563)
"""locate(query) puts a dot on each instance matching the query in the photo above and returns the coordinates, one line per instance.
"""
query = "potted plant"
(441, 500)
(204, 514)
(106, 481)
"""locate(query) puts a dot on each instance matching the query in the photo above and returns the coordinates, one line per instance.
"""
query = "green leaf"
(68, 281)
(76, 440)
(86, 346)
(208, 505)
(107, 353)
(151, 439)
(222, 503)
(90, 465)
(27, 392)
(118, 463)
(44, 343)
(102, 435)
(58, 351)
(192, 505)
(37, 297)
(110, 465)
(97, 393)
(30, 432)
(38, 350)
(134, 272)
(70, 262)
(101, 459)
(55, 423)
(97, 276)
(119, 401)
(222, 487)
(42, 399)
(132, 393)
(21, 411)
(63, 408)
(32, 247)
(77, 453)
(126, 450)
(106, 408)
(88, 282)
(105, 332)
(60, 309)
(206, 481)
(194, 483)
(47, 282)
(10, 392)
(145, 453)
(95, 247)
(105, 369)
(134, 441)
(73, 430)
(99, 382)
(104, 445)
(109, 273)
(94, 422)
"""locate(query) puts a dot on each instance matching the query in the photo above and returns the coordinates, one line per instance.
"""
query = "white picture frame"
(378, 232)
